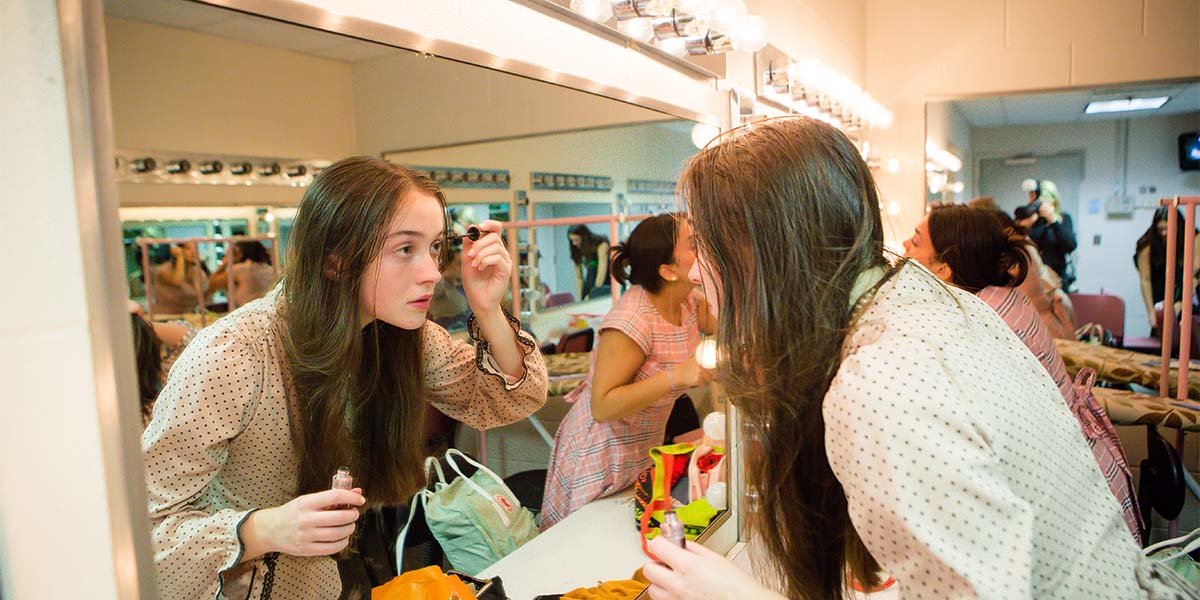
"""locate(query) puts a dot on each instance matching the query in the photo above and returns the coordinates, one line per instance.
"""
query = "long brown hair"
(786, 211)
(977, 248)
(360, 391)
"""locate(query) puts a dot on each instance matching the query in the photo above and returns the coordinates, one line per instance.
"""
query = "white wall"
(948, 128)
(835, 31)
(1152, 161)
(919, 50)
(407, 101)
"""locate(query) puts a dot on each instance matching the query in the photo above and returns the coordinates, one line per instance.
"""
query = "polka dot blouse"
(965, 473)
(219, 447)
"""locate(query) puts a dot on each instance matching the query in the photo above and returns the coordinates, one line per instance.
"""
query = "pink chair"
(1106, 310)
(559, 299)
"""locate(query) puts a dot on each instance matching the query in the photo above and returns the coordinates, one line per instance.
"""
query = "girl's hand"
(486, 268)
(697, 573)
(309, 525)
(1046, 210)
(689, 374)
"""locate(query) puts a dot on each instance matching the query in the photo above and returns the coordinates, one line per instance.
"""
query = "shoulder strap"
(478, 489)
(421, 497)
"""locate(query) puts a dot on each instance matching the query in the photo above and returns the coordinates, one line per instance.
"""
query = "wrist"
(255, 534)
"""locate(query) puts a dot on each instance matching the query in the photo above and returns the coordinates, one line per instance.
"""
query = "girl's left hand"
(486, 267)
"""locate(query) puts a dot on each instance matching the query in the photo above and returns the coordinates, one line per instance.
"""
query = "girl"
(642, 365)
(589, 252)
(1150, 258)
(333, 367)
(893, 422)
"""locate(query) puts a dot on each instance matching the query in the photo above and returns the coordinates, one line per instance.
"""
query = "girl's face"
(920, 248)
(684, 255)
(704, 275)
(1161, 226)
(398, 284)
(575, 240)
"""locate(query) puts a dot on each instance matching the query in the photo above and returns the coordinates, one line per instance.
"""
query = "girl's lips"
(421, 303)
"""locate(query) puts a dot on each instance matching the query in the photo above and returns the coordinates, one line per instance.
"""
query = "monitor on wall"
(1189, 151)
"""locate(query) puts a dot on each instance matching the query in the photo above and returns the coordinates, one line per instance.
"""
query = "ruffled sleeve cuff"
(486, 362)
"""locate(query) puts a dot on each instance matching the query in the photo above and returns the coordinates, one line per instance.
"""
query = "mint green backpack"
(477, 520)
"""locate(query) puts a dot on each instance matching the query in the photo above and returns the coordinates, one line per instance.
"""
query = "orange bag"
(423, 584)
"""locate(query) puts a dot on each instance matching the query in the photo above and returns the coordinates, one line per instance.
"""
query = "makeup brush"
(473, 233)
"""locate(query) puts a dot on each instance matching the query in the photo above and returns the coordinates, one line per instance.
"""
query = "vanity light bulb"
(696, 8)
(893, 165)
(641, 30)
(599, 11)
(706, 353)
(748, 34)
(703, 133)
(676, 47)
(726, 13)
(714, 425)
(893, 208)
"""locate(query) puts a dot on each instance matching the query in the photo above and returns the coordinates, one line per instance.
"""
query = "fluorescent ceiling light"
(1125, 104)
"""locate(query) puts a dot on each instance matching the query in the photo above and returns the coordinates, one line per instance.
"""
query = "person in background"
(1150, 258)
(641, 367)
(251, 274)
(895, 421)
(1052, 231)
(589, 252)
(968, 248)
(156, 346)
(334, 367)
(177, 284)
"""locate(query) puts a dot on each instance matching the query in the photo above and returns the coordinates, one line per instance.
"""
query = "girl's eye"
(405, 250)
(435, 248)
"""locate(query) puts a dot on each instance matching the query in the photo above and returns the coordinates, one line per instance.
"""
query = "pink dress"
(592, 460)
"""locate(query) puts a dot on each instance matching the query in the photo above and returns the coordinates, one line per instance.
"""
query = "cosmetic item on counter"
(672, 529)
(342, 481)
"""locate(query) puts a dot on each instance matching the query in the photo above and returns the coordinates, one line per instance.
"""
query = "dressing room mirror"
(222, 118)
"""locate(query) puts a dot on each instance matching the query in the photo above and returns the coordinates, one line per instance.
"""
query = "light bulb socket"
(672, 25)
(176, 167)
(624, 10)
(297, 171)
(143, 165)
(777, 80)
(211, 167)
(713, 42)
(241, 168)
(269, 169)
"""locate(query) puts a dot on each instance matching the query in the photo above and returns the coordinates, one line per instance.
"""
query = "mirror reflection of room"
(574, 191)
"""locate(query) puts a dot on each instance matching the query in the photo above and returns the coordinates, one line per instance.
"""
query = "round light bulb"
(696, 7)
(748, 33)
(893, 165)
(703, 133)
(676, 47)
(706, 353)
(893, 208)
(726, 13)
(599, 11)
(714, 425)
(641, 29)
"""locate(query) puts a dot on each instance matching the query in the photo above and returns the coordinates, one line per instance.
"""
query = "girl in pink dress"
(644, 361)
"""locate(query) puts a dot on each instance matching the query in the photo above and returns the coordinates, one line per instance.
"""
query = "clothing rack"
(1185, 331)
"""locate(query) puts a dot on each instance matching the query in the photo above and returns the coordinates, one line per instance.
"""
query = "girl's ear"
(670, 273)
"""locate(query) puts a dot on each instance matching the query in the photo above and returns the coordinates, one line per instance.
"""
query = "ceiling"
(212, 20)
(1067, 107)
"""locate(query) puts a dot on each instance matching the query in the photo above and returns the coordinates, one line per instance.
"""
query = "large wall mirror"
(222, 118)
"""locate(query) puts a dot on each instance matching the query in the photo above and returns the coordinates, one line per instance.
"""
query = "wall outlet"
(1096, 240)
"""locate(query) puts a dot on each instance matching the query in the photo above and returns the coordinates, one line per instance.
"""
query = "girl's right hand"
(308, 525)
(689, 374)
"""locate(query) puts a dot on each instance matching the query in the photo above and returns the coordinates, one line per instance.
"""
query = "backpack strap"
(422, 497)
(479, 489)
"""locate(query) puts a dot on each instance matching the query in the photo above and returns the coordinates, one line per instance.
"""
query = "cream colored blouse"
(220, 446)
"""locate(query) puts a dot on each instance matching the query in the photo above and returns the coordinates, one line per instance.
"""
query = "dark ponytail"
(651, 245)
(977, 248)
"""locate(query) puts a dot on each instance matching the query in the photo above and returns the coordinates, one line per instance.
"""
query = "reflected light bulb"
(641, 30)
(726, 13)
(706, 353)
(696, 8)
(676, 47)
(599, 11)
(893, 208)
(893, 165)
(748, 33)
(703, 133)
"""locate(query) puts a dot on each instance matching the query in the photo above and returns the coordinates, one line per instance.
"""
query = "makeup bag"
(664, 486)
(477, 520)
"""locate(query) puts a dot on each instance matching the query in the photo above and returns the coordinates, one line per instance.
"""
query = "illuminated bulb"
(726, 13)
(703, 133)
(676, 47)
(893, 165)
(696, 7)
(706, 353)
(269, 217)
(748, 34)
(893, 208)
(641, 30)
(599, 11)
(714, 425)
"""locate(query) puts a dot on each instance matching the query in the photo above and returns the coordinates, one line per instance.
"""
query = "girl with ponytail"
(643, 364)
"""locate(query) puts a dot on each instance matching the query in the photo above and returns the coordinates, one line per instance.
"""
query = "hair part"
(650, 246)
(361, 391)
(976, 247)
(771, 201)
